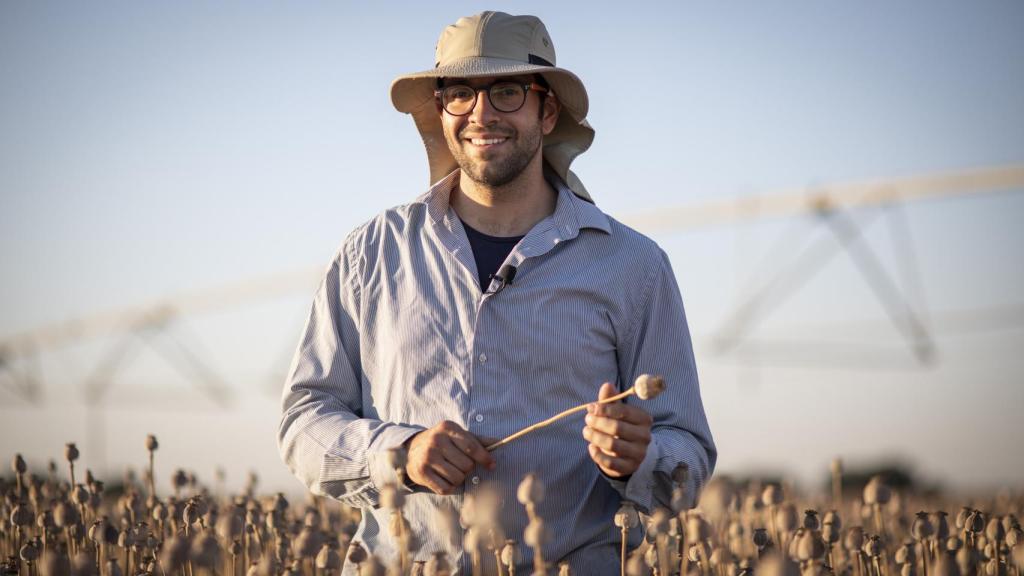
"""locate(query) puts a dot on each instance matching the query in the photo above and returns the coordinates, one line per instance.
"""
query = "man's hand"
(618, 435)
(441, 457)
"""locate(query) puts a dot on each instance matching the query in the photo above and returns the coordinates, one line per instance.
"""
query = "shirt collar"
(571, 214)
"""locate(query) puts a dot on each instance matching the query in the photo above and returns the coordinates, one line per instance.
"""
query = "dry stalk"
(646, 387)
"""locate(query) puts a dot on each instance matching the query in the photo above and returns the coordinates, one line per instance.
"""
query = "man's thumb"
(607, 391)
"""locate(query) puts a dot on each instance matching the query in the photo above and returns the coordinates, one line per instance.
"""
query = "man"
(495, 300)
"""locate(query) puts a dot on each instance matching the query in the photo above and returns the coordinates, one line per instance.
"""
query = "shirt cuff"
(381, 472)
(639, 487)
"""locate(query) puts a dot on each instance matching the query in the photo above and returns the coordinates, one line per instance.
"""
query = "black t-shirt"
(489, 253)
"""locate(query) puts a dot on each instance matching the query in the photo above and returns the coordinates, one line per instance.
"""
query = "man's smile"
(486, 141)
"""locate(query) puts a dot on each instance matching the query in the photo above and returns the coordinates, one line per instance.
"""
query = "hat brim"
(414, 94)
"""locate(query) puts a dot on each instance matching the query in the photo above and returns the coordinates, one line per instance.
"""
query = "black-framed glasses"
(505, 96)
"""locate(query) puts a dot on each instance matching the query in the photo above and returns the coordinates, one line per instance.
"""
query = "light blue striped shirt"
(400, 338)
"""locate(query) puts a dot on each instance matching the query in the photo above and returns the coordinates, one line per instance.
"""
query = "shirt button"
(482, 358)
(475, 480)
(479, 417)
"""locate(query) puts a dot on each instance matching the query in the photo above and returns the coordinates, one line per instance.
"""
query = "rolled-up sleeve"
(658, 342)
(323, 437)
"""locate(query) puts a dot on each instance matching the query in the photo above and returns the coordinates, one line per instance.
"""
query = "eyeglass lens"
(504, 96)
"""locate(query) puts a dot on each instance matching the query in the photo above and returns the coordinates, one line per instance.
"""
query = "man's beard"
(499, 171)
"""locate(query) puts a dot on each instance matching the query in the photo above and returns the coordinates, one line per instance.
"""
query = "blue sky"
(149, 149)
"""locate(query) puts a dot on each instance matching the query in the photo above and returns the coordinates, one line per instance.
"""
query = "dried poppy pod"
(179, 480)
(648, 387)
(44, 521)
(785, 518)
(21, 515)
(679, 501)
(510, 554)
(873, 546)
(940, 523)
(975, 522)
(18, 465)
(946, 566)
(811, 521)
(961, 517)
(230, 525)
(966, 560)
(922, 527)
(151, 443)
(96, 531)
(437, 565)
(953, 543)
(876, 491)
(537, 534)
(627, 517)
(772, 495)
(206, 551)
(174, 553)
(830, 533)
(720, 557)
(994, 530)
(832, 517)
(372, 567)
(307, 543)
(651, 557)
(905, 554)
(190, 515)
(80, 495)
(29, 552)
(531, 490)
(160, 512)
(356, 553)
(636, 566)
(697, 529)
(1014, 536)
(1018, 557)
(681, 474)
(65, 515)
(83, 564)
(777, 565)
(760, 538)
(71, 452)
(55, 562)
(659, 522)
(283, 550)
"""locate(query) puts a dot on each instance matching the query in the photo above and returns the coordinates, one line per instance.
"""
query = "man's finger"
(619, 411)
(457, 457)
(614, 446)
(447, 472)
(619, 428)
(472, 447)
(611, 465)
(437, 484)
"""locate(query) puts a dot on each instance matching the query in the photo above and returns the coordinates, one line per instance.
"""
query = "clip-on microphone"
(504, 277)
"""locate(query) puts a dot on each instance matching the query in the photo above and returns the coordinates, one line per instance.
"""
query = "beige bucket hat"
(498, 44)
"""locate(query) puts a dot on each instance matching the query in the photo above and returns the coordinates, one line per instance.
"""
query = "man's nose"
(483, 112)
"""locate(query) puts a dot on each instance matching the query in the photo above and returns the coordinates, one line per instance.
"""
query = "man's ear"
(551, 109)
